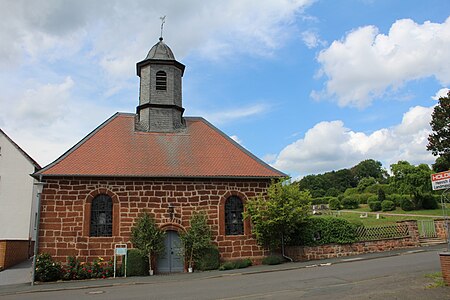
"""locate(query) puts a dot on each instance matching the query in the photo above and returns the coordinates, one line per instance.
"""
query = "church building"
(157, 161)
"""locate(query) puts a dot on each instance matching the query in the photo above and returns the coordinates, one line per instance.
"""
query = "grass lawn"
(398, 210)
(372, 220)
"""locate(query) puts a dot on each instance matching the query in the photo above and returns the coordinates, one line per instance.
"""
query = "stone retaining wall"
(305, 253)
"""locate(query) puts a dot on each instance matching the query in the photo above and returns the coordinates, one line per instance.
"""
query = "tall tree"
(439, 139)
(147, 238)
(369, 168)
(413, 180)
(276, 215)
(441, 164)
(197, 237)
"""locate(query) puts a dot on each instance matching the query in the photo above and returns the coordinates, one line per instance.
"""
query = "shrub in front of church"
(148, 238)
(137, 264)
(236, 264)
(273, 260)
(209, 259)
(196, 238)
(47, 269)
(324, 230)
(76, 269)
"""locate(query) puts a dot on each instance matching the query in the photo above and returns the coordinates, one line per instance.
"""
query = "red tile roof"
(116, 149)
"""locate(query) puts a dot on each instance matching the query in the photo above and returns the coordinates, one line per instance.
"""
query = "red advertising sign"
(440, 180)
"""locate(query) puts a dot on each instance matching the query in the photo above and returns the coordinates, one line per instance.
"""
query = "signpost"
(120, 250)
(441, 181)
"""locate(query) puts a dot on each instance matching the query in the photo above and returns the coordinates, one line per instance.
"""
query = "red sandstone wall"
(335, 250)
(445, 266)
(441, 229)
(14, 252)
(65, 212)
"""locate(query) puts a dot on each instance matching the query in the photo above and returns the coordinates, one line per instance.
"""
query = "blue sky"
(308, 86)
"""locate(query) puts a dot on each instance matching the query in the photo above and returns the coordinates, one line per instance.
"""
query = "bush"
(236, 264)
(243, 263)
(324, 230)
(76, 269)
(137, 264)
(429, 202)
(273, 260)
(406, 204)
(375, 205)
(335, 204)
(387, 189)
(350, 202)
(321, 200)
(209, 259)
(372, 198)
(47, 269)
(364, 198)
(351, 191)
(381, 195)
(387, 205)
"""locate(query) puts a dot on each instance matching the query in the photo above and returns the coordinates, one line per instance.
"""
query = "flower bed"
(49, 270)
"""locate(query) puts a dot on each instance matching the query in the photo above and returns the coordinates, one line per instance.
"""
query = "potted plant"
(196, 238)
(148, 238)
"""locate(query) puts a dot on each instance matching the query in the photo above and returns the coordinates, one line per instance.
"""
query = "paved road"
(396, 277)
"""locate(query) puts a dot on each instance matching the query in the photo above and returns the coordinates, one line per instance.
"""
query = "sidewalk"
(20, 273)
(23, 288)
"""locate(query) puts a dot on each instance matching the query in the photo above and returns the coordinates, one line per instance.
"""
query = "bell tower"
(160, 96)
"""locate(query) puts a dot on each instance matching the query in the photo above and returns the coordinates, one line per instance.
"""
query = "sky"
(307, 86)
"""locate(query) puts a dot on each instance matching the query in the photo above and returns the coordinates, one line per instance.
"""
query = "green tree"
(197, 237)
(369, 168)
(439, 139)
(412, 180)
(365, 182)
(147, 238)
(441, 164)
(276, 215)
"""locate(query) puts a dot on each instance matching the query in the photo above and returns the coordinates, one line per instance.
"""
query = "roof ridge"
(27, 156)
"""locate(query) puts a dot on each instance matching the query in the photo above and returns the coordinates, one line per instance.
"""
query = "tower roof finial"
(163, 20)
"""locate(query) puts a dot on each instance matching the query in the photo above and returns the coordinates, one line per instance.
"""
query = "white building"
(18, 203)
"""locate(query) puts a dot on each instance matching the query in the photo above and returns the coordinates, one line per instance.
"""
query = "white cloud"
(117, 31)
(441, 93)
(236, 139)
(45, 104)
(331, 146)
(312, 39)
(229, 115)
(366, 64)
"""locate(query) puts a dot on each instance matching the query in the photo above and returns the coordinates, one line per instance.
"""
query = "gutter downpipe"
(282, 249)
(40, 185)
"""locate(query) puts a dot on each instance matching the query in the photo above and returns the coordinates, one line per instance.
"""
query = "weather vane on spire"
(163, 20)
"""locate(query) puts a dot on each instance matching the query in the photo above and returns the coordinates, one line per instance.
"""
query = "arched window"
(101, 216)
(161, 81)
(234, 224)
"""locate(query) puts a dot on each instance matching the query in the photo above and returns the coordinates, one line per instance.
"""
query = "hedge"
(324, 230)
(137, 264)
(209, 259)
